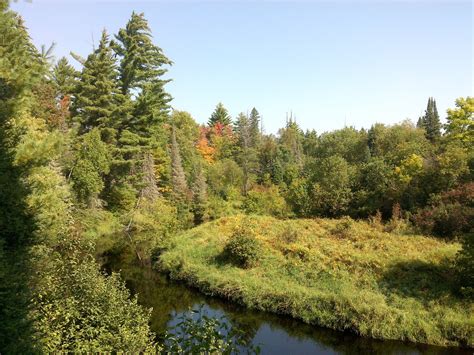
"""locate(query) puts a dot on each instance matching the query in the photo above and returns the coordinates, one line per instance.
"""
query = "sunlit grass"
(342, 274)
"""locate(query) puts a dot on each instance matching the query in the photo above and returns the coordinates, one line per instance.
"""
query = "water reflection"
(275, 334)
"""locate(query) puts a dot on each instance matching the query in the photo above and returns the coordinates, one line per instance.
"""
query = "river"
(273, 333)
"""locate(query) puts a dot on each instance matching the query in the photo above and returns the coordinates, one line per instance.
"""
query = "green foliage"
(460, 125)
(247, 140)
(266, 201)
(430, 121)
(49, 203)
(452, 165)
(331, 186)
(200, 197)
(220, 115)
(224, 176)
(98, 101)
(219, 207)
(197, 333)
(347, 143)
(93, 160)
(77, 308)
(152, 223)
(242, 248)
(64, 78)
(141, 61)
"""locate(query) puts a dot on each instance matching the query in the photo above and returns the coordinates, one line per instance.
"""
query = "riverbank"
(343, 275)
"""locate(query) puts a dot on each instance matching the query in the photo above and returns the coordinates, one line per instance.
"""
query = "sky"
(330, 64)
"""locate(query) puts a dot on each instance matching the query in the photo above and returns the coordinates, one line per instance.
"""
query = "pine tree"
(141, 70)
(247, 153)
(64, 78)
(255, 126)
(220, 115)
(141, 61)
(98, 101)
(430, 121)
(144, 135)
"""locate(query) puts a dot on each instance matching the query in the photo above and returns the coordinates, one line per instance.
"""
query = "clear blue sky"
(331, 63)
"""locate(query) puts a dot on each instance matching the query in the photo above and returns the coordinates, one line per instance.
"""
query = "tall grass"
(342, 274)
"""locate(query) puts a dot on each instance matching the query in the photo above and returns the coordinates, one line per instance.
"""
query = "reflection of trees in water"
(169, 299)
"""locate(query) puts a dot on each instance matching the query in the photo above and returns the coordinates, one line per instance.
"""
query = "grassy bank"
(340, 274)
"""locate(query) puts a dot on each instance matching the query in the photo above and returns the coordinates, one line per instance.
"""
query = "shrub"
(198, 333)
(289, 234)
(343, 227)
(297, 251)
(266, 201)
(243, 249)
(449, 214)
(376, 221)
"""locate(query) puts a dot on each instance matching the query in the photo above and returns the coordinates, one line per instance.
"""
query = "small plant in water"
(198, 333)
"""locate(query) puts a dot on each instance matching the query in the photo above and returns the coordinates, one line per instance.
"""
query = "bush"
(289, 234)
(449, 214)
(343, 227)
(243, 248)
(198, 333)
(266, 201)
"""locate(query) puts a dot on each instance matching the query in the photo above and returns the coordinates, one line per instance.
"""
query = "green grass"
(340, 274)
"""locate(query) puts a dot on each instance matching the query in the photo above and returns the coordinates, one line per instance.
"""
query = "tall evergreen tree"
(430, 121)
(142, 67)
(141, 61)
(220, 115)
(144, 135)
(255, 126)
(98, 101)
(246, 155)
(64, 78)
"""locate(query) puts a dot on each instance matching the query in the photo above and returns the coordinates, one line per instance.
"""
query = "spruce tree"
(430, 121)
(247, 154)
(98, 101)
(144, 135)
(220, 115)
(141, 70)
(64, 78)
(255, 126)
(141, 61)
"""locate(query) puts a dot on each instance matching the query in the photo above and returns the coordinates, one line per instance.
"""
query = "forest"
(369, 231)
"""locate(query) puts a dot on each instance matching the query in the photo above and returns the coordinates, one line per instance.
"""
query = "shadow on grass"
(419, 279)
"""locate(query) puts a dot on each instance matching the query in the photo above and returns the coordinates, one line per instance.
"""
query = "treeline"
(96, 159)
(131, 152)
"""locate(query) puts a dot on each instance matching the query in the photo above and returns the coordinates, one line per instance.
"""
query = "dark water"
(275, 334)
